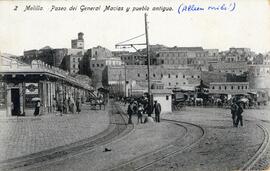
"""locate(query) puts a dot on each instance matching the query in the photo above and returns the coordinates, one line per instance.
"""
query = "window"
(79, 59)
(219, 87)
(169, 75)
(162, 61)
(73, 59)
(184, 83)
(176, 83)
(93, 65)
(242, 87)
(184, 76)
(102, 65)
(198, 76)
(232, 87)
(176, 76)
(238, 87)
(213, 87)
(145, 75)
(138, 74)
(169, 83)
(225, 87)
(161, 75)
(97, 65)
(73, 66)
(167, 97)
(154, 75)
(246, 87)
(192, 76)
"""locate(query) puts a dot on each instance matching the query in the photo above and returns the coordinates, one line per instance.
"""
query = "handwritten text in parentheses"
(188, 8)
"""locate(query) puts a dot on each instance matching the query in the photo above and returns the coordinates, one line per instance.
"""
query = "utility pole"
(125, 80)
(132, 45)
(148, 56)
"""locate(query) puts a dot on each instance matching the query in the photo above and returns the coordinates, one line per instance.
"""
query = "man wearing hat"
(234, 110)
(157, 108)
(239, 114)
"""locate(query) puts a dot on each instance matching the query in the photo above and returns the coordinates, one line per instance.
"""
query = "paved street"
(144, 139)
(25, 135)
(221, 148)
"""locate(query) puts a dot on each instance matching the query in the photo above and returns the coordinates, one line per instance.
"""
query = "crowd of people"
(68, 105)
(141, 107)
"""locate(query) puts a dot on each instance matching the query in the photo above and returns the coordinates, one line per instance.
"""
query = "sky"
(247, 25)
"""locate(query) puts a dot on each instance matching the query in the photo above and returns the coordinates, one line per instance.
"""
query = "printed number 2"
(16, 7)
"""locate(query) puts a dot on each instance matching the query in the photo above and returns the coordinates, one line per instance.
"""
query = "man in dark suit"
(130, 112)
(239, 115)
(234, 110)
(157, 108)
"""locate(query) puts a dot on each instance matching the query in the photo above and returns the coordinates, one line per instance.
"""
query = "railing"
(39, 66)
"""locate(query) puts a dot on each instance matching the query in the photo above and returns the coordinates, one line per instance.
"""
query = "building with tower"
(78, 43)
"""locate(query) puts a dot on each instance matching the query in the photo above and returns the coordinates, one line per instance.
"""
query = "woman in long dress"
(37, 107)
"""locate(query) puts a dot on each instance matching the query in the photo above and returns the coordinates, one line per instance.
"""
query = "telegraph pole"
(147, 55)
(132, 45)
(125, 80)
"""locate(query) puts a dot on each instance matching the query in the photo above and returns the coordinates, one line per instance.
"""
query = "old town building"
(169, 77)
(22, 82)
(78, 43)
(229, 88)
(65, 58)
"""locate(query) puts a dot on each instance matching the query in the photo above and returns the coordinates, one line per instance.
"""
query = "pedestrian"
(78, 105)
(140, 113)
(234, 109)
(69, 106)
(135, 107)
(148, 109)
(130, 112)
(239, 115)
(54, 104)
(37, 107)
(72, 105)
(65, 106)
(157, 108)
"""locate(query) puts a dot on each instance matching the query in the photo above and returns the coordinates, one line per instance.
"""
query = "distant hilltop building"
(65, 58)
(100, 52)
(78, 43)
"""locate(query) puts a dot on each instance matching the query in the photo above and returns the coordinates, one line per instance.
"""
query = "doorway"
(15, 99)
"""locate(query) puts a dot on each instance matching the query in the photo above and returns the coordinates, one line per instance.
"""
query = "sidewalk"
(25, 135)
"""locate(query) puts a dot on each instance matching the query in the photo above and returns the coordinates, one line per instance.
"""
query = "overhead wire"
(130, 39)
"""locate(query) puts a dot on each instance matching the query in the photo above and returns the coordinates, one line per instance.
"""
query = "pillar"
(21, 90)
(8, 101)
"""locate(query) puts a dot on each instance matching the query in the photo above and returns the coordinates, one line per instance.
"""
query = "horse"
(198, 101)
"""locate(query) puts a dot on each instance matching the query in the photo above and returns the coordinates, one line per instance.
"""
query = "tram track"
(192, 136)
(260, 152)
(147, 160)
(117, 128)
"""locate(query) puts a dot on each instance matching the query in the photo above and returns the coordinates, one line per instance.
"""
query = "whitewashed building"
(164, 97)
